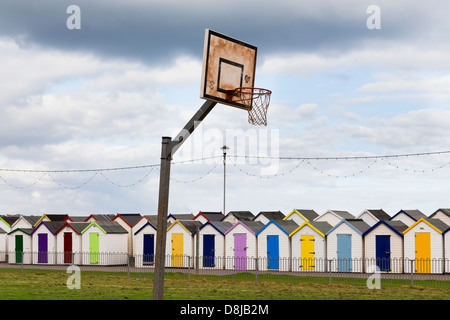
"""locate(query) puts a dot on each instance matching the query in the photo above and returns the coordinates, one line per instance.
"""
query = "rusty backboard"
(227, 64)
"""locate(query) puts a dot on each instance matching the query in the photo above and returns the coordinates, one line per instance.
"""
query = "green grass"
(52, 285)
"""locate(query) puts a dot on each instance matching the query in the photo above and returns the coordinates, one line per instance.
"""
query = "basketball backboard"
(227, 64)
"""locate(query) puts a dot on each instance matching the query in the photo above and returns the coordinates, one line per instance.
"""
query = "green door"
(93, 247)
(19, 248)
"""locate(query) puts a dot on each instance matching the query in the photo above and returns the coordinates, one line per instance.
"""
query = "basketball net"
(256, 100)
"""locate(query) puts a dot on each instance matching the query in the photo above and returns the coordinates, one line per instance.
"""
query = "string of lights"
(196, 179)
(300, 160)
(421, 154)
(271, 175)
(342, 176)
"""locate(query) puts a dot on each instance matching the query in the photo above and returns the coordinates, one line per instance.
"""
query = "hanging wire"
(272, 175)
(343, 176)
(25, 186)
(301, 160)
(76, 187)
(128, 185)
(196, 179)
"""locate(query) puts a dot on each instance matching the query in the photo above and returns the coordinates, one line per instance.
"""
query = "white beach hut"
(68, 242)
(240, 245)
(43, 240)
(373, 216)
(211, 238)
(383, 246)
(345, 247)
(309, 250)
(334, 217)
(274, 245)
(424, 246)
(181, 244)
(104, 243)
(144, 245)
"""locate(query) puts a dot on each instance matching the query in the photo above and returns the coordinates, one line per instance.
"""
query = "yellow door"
(177, 250)
(307, 251)
(423, 252)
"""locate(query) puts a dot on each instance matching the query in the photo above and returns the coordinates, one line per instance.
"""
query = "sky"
(346, 81)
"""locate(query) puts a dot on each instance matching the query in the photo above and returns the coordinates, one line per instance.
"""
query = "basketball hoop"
(256, 100)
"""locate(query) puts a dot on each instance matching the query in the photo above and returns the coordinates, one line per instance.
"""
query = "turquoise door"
(344, 252)
(273, 252)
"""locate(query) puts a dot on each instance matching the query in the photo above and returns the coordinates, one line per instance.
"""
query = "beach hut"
(211, 238)
(240, 245)
(131, 222)
(204, 217)
(104, 243)
(301, 215)
(408, 217)
(424, 244)
(20, 245)
(383, 246)
(144, 244)
(180, 243)
(447, 250)
(100, 217)
(235, 216)
(334, 217)
(3, 243)
(25, 222)
(345, 245)
(77, 218)
(308, 243)
(274, 245)
(373, 216)
(43, 239)
(442, 214)
(266, 216)
(51, 217)
(171, 218)
(68, 242)
(6, 221)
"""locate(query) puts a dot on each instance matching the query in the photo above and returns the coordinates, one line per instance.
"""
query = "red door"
(67, 247)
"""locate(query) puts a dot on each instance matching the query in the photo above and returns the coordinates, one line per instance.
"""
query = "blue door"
(383, 252)
(149, 248)
(273, 252)
(344, 252)
(208, 250)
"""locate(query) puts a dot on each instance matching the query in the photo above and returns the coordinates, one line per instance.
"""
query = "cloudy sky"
(101, 97)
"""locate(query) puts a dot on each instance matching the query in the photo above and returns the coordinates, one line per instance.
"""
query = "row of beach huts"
(408, 241)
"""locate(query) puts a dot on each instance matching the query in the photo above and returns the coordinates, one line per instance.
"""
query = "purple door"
(240, 251)
(42, 248)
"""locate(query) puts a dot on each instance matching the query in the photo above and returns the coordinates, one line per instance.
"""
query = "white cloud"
(372, 56)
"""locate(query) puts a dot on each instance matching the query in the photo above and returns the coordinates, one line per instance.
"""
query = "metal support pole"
(168, 148)
(163, 204)
(224, 149)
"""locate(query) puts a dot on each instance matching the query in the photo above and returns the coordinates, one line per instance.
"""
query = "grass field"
(52, 285)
